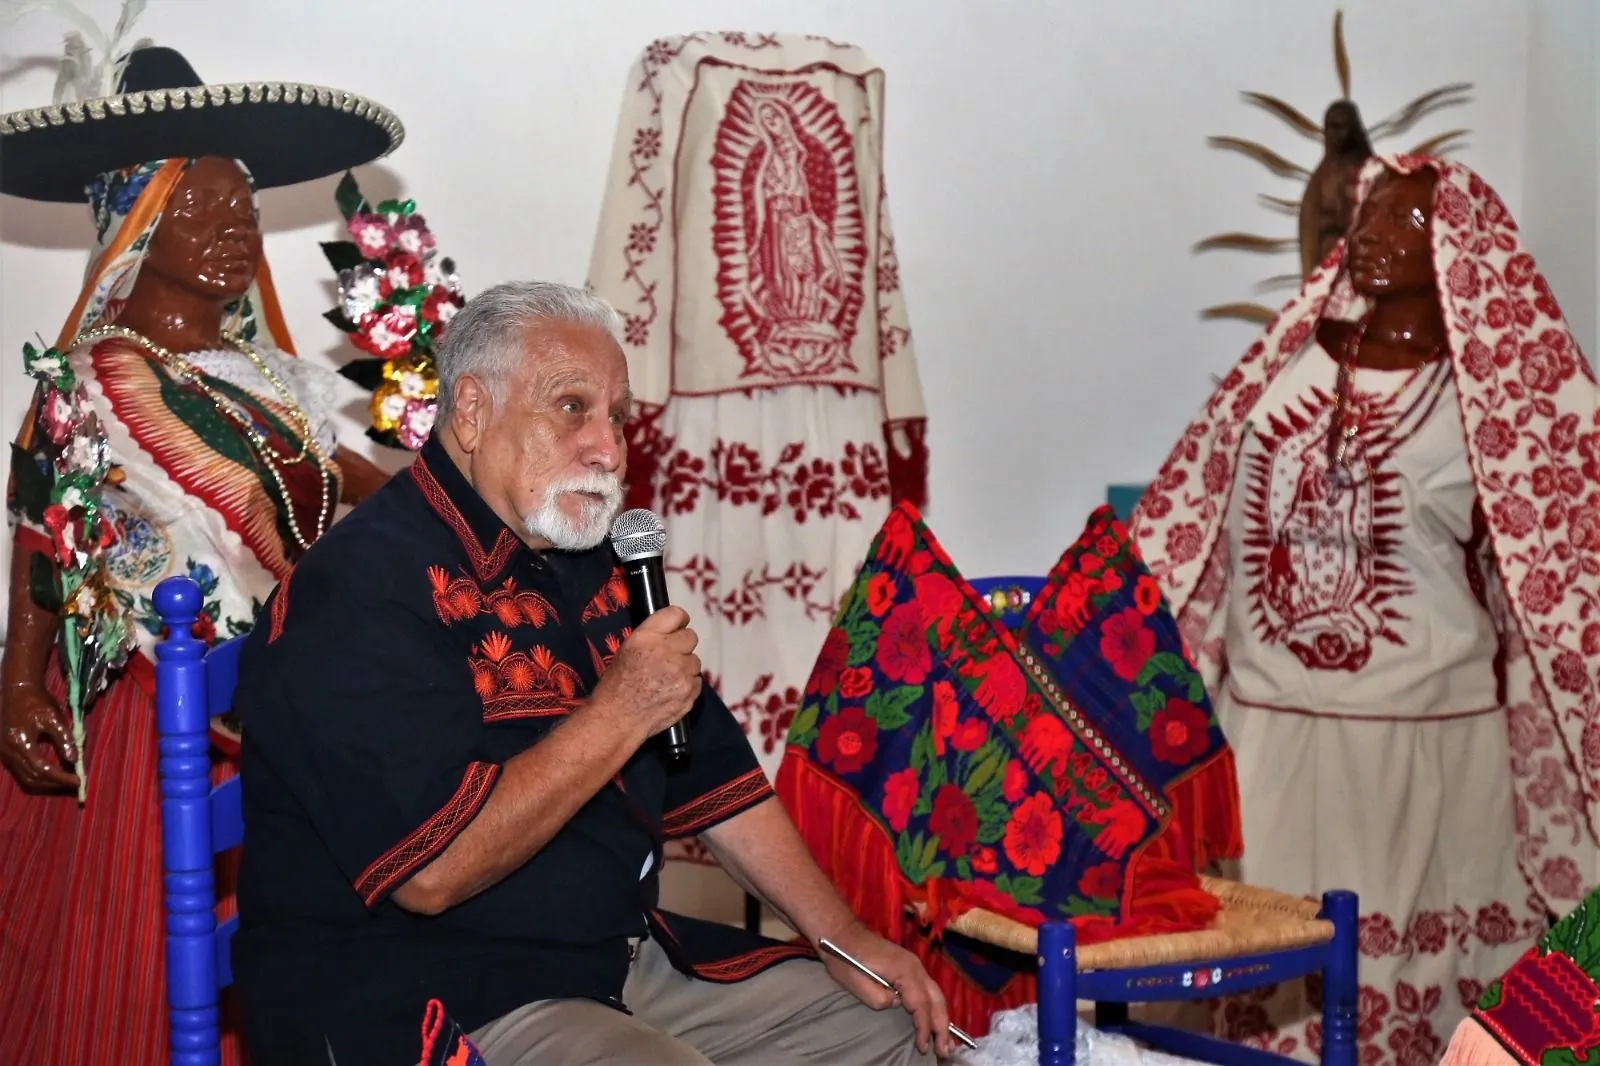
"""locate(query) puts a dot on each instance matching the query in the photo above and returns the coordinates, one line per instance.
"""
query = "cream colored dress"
(1361, 700)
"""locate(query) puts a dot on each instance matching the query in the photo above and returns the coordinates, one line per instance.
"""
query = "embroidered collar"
(489, 543)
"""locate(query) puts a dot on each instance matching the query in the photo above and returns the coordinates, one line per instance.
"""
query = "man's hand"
(655, 678)
(915, 990)
(34, 729)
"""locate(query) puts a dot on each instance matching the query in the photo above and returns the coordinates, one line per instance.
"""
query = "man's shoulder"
(372, 553)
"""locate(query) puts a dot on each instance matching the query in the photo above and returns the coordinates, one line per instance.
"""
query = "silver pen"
(836, 950)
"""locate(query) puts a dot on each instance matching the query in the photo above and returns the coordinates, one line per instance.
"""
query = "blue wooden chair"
(1261, 938)
(197, 821)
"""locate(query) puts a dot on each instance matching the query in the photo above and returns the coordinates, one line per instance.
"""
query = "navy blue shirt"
(416, 648)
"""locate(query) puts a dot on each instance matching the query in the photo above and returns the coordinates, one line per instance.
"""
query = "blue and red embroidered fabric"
(1070, 768)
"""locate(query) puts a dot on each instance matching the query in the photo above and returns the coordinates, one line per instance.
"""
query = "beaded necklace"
(186, 373)
(1344, 427)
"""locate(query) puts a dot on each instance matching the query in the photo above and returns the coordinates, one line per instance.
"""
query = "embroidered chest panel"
(533, 650)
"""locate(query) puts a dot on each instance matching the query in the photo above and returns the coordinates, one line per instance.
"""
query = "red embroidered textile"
(1072, 768)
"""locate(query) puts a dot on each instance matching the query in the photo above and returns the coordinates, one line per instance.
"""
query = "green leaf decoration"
(922, 750)
(30, 483)
(993, 817)
(1148, 703)
(1078, 907)
(1564, 1056)
(986, 770)
(1025, 890)
(348, 196)
(44, 583)
(803, 730)
(863, 637)
(343, 255)
(397, 207)
(1162, 662)
(388, 438)
(1578, 935)
(1491, 996)
(916, 857)
(368, 373)
(340, 322)
(888, 709)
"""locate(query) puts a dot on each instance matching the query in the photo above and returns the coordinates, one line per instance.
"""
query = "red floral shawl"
(1530, 412)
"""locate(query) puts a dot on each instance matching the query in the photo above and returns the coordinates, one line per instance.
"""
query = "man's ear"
(469, 416)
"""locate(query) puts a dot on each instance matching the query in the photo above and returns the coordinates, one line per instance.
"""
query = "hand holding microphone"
(656, 666)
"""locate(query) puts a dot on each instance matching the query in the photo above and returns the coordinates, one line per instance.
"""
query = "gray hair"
(485, 338)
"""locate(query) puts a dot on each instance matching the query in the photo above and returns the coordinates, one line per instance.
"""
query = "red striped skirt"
(82, 955)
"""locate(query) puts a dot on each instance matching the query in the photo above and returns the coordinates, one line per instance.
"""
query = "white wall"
(1047, 167)
(1561, 194)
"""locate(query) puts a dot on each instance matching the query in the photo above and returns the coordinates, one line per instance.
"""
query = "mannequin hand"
(36, 740)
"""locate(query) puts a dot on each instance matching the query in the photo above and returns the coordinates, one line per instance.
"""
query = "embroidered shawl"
(1530, 415)
(1545, 1010)
(745, 237)
(1072, 768)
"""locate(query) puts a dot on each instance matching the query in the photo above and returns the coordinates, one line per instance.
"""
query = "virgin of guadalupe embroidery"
(789, 232)
(1318, 562)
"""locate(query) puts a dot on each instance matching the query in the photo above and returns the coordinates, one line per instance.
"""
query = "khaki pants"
(791, 1014)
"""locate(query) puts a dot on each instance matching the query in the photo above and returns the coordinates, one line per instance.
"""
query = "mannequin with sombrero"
(216, 459)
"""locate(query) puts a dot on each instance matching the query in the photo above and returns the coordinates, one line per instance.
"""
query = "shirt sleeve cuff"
(718, 805)
(419, 847)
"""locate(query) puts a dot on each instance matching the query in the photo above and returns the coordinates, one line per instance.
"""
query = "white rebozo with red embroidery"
(1369, 676)
(745, 240)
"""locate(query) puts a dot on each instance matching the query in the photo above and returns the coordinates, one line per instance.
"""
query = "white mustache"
(608, 486)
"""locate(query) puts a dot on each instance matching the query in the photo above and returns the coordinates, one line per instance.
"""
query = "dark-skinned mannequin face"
(203, 255)
(1391, 251)
(1389, 257)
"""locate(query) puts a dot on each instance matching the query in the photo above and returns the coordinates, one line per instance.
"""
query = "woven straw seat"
(1252, 921)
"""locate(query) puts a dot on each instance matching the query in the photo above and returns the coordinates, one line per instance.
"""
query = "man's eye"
(571, 407)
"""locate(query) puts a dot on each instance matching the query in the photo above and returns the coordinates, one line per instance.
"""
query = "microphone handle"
(647, 589)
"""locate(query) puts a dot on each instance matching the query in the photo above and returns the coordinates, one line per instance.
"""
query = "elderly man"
(450, 787)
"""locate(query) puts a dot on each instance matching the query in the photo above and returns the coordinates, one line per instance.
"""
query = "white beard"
(565, 533)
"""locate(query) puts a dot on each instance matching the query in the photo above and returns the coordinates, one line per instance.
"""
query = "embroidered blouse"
(194, 498)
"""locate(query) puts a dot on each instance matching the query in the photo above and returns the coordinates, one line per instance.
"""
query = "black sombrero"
(285, 132)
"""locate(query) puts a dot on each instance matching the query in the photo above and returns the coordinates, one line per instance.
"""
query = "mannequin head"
(208, 240)
(1390, 250)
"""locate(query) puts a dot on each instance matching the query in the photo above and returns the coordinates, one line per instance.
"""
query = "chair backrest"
(197, 820)
(1008, 597)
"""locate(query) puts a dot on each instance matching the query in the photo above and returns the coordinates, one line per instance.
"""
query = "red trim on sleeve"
(431, 837)
(718, 805)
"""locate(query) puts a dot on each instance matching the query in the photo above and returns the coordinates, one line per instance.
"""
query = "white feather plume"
(93, 60)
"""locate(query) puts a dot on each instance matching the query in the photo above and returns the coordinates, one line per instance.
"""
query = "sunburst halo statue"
(1323, 210)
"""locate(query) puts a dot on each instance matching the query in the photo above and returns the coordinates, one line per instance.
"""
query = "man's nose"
(604, 449)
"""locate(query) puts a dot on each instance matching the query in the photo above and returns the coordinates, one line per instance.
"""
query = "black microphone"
(640, 538)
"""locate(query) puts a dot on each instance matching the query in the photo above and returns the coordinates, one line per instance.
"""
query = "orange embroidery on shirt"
(613, 596)
(514, 608)
(455, 600)
(514, 684)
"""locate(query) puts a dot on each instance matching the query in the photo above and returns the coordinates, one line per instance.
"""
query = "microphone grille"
(638, 534)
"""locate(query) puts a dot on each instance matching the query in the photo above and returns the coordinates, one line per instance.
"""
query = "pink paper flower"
(416, 424)
(372, 234)
(412, 235)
